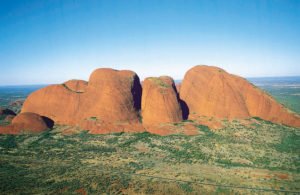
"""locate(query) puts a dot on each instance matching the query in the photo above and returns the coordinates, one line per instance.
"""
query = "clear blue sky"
(53, 41)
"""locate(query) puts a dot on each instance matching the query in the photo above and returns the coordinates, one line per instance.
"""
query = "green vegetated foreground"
(288, 96)
(238, 159)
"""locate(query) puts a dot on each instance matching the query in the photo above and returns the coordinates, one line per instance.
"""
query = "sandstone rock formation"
(113, 96)
(160, 103)
(212, 92)
(55, 102)
(30, 121)
(102, 127)
(78, 86)
(112, 101)
(110, 96)
(25, 122)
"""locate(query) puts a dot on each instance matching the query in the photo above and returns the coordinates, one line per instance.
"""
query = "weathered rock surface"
(55, 102)
(30, 121)
(110, 96)
(78, 86)
(25, 122)
(160, 103)
(101, 127)
(212, 92)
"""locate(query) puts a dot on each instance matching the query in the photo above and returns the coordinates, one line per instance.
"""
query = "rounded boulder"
(30, 122)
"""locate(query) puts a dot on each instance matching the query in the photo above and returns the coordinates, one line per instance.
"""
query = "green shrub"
(93, 118)
(289, 143)
(9, 142)
(188, 121)
(135, 165)
(229, 163)
(186, 187)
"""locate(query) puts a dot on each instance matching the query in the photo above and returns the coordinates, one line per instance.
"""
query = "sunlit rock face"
(27, 123)
(109, 96)
(212, 92)
(160, 103)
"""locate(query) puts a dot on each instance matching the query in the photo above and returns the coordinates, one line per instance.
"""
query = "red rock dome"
(211, 91)
(160, 103)
(30, 122)
(25, 122)
(55, 102)
(110, 96)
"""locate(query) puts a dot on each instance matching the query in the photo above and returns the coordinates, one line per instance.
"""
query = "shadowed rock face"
(5, 111)
(25, 122)
(7, 114)
(211, 91)
(178, 85)
(160, 103)
(110, 96)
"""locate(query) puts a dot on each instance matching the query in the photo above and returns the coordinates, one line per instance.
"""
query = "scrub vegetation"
(260, 155)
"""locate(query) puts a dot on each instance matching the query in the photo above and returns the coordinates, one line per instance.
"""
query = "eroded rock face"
(78, 86)
(25, 123)
(55, 102)
(160, 103)
(101, 127)
(212, 92)
(110, 96)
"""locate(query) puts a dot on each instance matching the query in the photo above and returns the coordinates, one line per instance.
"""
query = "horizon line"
(44, 84)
